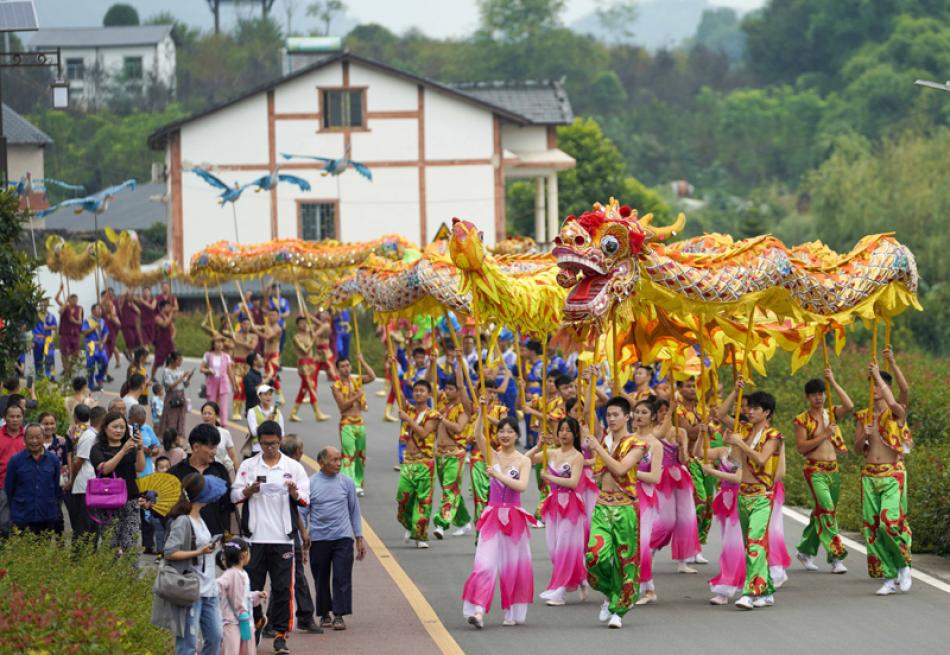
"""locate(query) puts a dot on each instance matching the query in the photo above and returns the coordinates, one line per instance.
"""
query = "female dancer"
(586, 487)
(724, 465)
(148, 307)
(216, 367)
(779, 560)
(566, 522)
(676, 519)
(164, 338)
(504, 547)
(646, 429)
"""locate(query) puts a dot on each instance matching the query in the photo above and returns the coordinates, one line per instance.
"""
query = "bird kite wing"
(293, 179)
(325, 160)
(213, 180)
(362, 170)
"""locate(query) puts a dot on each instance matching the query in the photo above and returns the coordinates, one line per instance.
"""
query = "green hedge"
(60, 598)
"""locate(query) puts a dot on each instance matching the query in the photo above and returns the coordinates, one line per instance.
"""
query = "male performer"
(613, 550)
(307, 371)
(818, 437)
(478, 469)
(94, 332)
(245, 343)
(450, 454)
(417, 370)
(884, 487)
(761, 447)
(350, 398)
(414, 492)
(276, 302)
(642, 375)
(270, 333)
(44, 343)
(704, 487)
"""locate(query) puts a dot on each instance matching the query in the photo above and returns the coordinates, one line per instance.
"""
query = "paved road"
(837, 614)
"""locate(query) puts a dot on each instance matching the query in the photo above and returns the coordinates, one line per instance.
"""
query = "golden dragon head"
(466, 246)
(598, 253)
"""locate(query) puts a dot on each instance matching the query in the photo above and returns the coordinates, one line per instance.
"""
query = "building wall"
(23, 159)
(524, 138)
(453, 169)
(159, 60)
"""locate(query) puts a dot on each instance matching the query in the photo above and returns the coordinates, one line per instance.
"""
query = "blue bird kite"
(96, 203)
(335, 166)
(263, 183)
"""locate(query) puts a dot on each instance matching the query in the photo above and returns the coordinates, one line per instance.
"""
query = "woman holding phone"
(116, 452)
(175, 379)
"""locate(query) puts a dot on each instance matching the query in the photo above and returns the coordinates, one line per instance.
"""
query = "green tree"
(120, 14)
(516, 20)
(21, 295)
(325, 11)
(719, 30)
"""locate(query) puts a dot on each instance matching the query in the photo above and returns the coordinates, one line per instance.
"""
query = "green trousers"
(414, 498)
(481, 484)
(613, 555)
(448, 468)
(704, 490)
(754, 514)
(353, 448)
(886, 527)
(544, 490)
(824, 483)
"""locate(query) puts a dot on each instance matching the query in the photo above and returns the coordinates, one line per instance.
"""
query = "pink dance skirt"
(676, 519)
(566, 530)
(731, 576)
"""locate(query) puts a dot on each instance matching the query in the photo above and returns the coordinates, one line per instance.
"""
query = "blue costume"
(96, 359)
(44, 346)
(341, 325)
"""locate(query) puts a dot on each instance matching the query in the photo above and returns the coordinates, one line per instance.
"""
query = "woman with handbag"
(175, 381)
(117, 454)
(186, 592)
(216, 367)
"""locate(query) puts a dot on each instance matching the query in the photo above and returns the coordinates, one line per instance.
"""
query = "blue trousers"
(343, 346)
(97, 365)
(205, 614)
(44, 367)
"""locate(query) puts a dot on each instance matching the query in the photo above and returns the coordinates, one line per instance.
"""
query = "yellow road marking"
(426, 615)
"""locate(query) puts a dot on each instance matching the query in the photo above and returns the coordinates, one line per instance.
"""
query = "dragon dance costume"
(755, 512)
(566, 530)
(675, 523)
(613, 557)
(704, 486)
(352, 434)
(97, 362)
(725, 510)
(44, 346)
(416, 473)
(449, 468)
(824, 482)
(503, 554)
(886, 525)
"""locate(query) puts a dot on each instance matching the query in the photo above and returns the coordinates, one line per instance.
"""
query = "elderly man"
(32, 484)
(335, 523)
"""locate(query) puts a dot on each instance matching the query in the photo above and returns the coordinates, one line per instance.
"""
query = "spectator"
(216, 366)
(32, 484)
(82, 471)
(176, 407)
(162, 465)
(204, 441)
(335, 523)
(115, 452)
(81, 395)
(292, 447)
(62, 448)
(139, 365)
(157, 402)
(210, 414)
(235, 587)
(135, 391)
(15, 397)
(253, 379)
(271, 485)
(173, 446)
(266, 410)
(152, 447)
(11, 442)
(189, 547)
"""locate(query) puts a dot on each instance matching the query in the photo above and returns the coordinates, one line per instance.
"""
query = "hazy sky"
(459, 17)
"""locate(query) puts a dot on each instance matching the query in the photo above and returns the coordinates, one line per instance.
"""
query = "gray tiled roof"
(544, 102)
(129, 210)
(19, 131)
(99, 37)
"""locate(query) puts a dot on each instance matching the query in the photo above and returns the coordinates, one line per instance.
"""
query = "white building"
(26, 149)
(435, 151)
(95, 57)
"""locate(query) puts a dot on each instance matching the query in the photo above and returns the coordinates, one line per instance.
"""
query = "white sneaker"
(604, 612)
(422, 544)
(808, 561)
(837, 566)
(462, 531)
(360, 492)
(539, 525)
(745, 603)
(406, 538)
(555, 602)
(683, 567)
(903, 579)
(699, 559)
(764, 601)
(887, 588)
(615, 622)
(584, 591)
(718, 599)
(477, 620)
(439, 533)
(779, 579)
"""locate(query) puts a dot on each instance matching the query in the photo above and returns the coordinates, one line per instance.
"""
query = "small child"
(158, 402)
(236, 598)
(172, 449)
(162, 464)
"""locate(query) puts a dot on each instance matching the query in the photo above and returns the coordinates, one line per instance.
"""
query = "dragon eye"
(609, 245)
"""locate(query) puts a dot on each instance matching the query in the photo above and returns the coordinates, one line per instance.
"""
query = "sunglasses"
(269, 444)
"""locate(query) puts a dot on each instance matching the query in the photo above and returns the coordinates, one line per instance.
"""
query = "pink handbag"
(106, 493)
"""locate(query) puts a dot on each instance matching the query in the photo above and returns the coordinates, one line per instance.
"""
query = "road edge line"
(439, 634)
(926, 578)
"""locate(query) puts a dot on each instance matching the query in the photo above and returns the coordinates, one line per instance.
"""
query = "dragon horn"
(646, 220)
(661, 233)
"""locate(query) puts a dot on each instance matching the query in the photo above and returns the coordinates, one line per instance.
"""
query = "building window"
(75, 69)
(132, 68)
(317, 221)
(343, 108)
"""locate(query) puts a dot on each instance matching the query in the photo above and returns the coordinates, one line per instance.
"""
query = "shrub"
(60, 599)
(49, 398)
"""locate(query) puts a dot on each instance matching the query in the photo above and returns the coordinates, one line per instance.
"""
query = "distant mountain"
(659, 23)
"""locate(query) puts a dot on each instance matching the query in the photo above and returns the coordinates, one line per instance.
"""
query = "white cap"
(264, 388)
